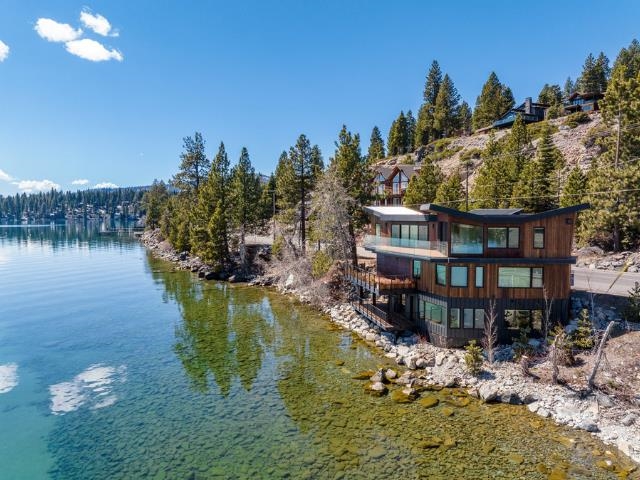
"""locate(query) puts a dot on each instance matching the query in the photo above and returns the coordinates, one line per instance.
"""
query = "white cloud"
(4, 176)
(105, 185)
(4, 51)
(29, 186)
(56, 32)
(80, 181)
(93, 387)
(97, 23)
(92, 50)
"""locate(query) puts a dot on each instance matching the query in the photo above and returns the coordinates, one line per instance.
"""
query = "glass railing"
(420, 248)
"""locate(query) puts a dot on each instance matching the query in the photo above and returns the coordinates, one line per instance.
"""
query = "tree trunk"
(354, 248)
(596, 365)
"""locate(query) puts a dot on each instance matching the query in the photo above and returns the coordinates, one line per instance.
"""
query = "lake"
(114, 365)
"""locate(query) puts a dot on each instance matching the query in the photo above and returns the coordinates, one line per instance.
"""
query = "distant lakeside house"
(529, 111)
(391, 182)
(439, 270)
(583, 102)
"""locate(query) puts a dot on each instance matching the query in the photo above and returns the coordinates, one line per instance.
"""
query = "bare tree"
(556, 353)
(548, 308)
(596, 364)
(330, 218)
(490, 335)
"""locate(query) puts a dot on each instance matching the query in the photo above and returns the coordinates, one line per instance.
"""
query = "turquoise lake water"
(113, 365)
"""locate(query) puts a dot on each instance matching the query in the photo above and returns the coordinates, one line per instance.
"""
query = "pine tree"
(286, 191)
(613, 219)
(550, 95)
(494, 100)
(450, 193)
(424, 132)
(445, 114)
(154, 202)
(350, 167)
(424, 126)
(398, 136)
(376, 146)
(575, 188)
(194, 165)
(517, 150)
(568, 89)
(422, 187)
(630, 58)
(306, 162)
(411, 132)
(464, 118)
(490, 190)
(432, 84)
(595, 74)
(215, 251)
(537, 187)
(245, 197)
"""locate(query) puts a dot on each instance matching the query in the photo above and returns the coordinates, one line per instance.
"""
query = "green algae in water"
(235, 382)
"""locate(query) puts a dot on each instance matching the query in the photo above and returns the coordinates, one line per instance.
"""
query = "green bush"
(473, 358)
(582, 337)
(406, 160)
(441, 145)
(575, 119)
(632, 310)
(535, 129)
(470, 154)
(554, 111)
(320, 263)
(278, 247)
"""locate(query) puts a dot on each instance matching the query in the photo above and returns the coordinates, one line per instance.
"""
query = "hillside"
(577, 144)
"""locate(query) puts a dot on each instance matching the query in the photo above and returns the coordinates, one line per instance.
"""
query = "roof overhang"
(504, 219)
(396, 214)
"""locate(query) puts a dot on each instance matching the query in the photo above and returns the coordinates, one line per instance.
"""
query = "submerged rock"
(377, 389)
(429, 402)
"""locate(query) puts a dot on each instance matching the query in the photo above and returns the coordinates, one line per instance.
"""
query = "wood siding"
(556, 278)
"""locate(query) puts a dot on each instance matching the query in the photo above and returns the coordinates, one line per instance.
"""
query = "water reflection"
(218, 338)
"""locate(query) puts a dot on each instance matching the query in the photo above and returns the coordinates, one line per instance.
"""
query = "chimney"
(527, 105)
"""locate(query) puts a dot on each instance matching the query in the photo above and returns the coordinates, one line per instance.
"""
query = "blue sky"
(256, 74)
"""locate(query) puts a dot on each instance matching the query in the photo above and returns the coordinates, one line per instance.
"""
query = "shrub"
(406, 160)
(521, 345)
(535, 129)
(320, 264)
(583, 335)
(564, 345)
(554, 111)
(470, 154)
(632, 310)
(278, 247)
(473, 358)
(575, 119)
(594, 134)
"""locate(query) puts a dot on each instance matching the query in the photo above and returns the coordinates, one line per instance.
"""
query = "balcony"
(389, 322)
(406, 247)
(379, 284)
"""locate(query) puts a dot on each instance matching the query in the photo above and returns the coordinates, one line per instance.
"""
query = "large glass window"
(479, 277)
(441, 274)
(466, 239)
(514, 277)
(431, 311)
(467, 318)
(454, 318)
(395, 231)
(423, 232)
(478, 318)
(538, 237)
(417, 268)
(413, 232)
(378, 229)
(404, 231)
(458, 276)
(503, 237)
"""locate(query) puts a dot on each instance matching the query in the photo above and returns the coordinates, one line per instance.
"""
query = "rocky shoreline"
(612, 421)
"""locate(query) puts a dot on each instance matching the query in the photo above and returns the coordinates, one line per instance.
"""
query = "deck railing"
(408, 246)
(376, 283)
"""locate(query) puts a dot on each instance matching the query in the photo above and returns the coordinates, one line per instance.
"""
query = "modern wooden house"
(390, 183)
(440, 270)
(583, 102)
(530, 112)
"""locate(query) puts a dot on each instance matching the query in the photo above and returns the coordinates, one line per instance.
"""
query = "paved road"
(599, 281)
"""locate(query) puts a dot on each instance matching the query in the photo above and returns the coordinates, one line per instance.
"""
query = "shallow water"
(113, 365)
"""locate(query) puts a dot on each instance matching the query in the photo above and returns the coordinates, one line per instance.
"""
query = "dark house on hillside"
(391, 182)
(440, 270)
(583, 102)
(530, 112)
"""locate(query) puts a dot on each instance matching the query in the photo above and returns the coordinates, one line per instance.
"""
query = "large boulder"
(488, 393)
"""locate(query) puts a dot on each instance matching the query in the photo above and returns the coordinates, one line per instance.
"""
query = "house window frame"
(417, 273)
(539, 284)
(466, 276)
(465, 312)
(477, 311)
(507, 237)
(536, 231)
(441, 268)
(454, 318)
